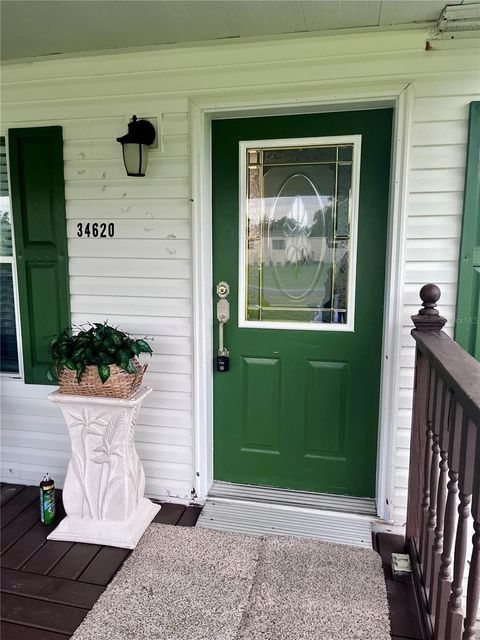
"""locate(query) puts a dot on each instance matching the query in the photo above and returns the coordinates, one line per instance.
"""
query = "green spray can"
(47, 500)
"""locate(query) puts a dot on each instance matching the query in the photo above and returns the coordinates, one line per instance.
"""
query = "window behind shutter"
(467, 330)
(38, 203)
(8, 329)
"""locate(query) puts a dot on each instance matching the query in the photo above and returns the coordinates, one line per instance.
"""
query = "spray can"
(47, 500)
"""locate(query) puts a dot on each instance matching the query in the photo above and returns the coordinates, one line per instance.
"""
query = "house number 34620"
(96, 230)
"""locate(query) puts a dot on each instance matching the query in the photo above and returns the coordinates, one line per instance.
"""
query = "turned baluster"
(454, 610)
(417, 448)
(434, 486)
(466, 477)
(437, 546)
(427, 464)
(445, 574)
(473, 588)
(427, 470)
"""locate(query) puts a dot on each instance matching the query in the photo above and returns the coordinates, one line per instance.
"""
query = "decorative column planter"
(103, 491)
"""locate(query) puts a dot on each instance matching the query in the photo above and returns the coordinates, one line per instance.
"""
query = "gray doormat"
(198, 584)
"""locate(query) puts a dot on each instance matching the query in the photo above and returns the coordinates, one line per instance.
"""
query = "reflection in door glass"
(298, 235)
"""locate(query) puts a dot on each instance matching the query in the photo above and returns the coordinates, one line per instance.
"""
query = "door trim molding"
(392, 321)
(202, 112)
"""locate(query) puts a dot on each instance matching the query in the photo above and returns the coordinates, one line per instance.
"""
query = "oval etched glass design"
(291, 222)
(298, 237)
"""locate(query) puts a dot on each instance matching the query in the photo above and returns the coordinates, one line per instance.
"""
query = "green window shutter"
(38, 204)
(467, 329)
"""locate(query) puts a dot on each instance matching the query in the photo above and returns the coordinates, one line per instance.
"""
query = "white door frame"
(202, 112)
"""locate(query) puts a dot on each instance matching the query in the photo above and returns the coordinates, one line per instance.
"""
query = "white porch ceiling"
(44, 27)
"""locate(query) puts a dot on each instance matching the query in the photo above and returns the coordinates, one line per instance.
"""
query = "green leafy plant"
(100, 345)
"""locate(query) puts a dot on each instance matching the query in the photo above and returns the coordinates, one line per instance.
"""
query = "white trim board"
(16, 298)
(202, 112)
(392, 324)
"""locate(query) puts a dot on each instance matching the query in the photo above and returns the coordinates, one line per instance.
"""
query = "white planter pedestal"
(103, 491)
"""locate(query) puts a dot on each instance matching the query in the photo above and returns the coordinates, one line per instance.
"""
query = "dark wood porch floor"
(48, 587)
(405, 619)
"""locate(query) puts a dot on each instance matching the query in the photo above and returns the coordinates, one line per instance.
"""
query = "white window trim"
(12, 374)
(356, 141)
(16, 300)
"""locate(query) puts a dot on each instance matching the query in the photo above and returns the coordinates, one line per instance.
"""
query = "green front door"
(300, 209)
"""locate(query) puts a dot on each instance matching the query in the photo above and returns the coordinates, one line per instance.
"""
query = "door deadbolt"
(223, 289)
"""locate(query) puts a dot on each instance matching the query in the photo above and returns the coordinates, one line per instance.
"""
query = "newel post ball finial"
(428, 317)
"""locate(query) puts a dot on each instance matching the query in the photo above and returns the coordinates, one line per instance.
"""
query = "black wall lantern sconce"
(141, 134)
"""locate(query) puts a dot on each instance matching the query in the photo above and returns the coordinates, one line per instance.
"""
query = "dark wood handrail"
(457, 368)
(444, 479)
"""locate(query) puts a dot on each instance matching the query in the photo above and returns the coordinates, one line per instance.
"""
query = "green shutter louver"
(38, 203)
(3, 169)
(467, 329)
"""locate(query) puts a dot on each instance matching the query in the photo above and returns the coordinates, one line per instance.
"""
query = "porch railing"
(443, 516)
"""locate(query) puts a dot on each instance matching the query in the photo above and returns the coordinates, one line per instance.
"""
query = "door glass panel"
(298, 233)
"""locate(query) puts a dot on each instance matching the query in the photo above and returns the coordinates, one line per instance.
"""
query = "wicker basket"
(120, 384)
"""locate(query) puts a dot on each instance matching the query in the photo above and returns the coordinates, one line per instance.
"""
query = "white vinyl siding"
(435, 203)
(142, 278)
